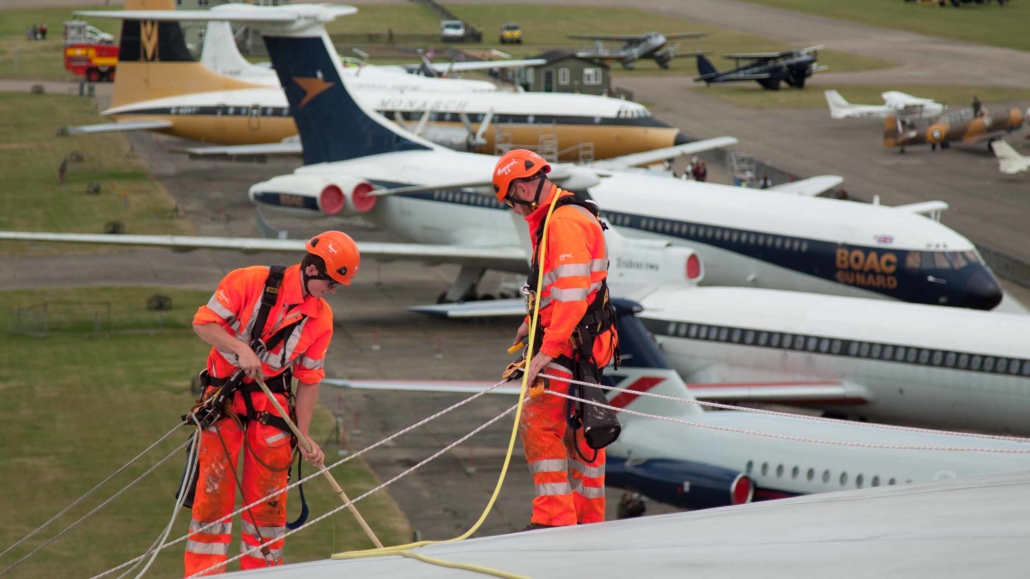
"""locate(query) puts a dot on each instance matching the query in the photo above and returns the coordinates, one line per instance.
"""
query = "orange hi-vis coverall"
(268, 450)
(575, 265)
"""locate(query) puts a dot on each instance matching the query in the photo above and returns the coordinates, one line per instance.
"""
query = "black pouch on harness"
(601, 426)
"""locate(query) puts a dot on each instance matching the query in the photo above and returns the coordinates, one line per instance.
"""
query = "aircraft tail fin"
(332, 126)
(838, 105)
(644, 368)
(153, 62)
(1009, 161)
(705, 68)
(220, 53)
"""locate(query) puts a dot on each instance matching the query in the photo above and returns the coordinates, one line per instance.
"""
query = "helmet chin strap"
(536, 198)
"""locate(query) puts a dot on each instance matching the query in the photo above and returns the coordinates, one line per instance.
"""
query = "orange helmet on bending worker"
(517, 164)
(340, 254)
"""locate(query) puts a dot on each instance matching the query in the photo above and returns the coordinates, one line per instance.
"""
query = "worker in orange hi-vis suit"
(576, 338)
(269, 324)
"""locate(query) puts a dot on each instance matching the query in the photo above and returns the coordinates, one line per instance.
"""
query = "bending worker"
(269, 324)
(575, 338)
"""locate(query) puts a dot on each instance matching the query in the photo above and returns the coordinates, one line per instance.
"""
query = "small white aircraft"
(1010, 161)
(896, 104)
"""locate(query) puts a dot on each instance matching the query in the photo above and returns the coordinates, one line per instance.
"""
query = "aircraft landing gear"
(464, 288)
(901, 150)
(933, 146)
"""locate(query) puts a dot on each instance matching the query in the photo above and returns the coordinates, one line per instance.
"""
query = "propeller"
(423, 120)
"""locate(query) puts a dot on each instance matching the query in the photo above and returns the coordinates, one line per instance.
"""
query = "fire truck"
(89, 52)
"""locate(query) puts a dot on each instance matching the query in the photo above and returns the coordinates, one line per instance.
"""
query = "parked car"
(452, 31)
(511, 33)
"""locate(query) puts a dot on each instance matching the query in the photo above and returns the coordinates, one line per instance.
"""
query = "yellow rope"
(403, 549)
(465, 566)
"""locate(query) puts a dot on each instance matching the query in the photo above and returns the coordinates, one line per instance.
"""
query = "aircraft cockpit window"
(940, 260)
(957, 260)
(928, 261)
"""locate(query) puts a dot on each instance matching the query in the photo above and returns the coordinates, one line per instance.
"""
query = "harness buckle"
(530, 297)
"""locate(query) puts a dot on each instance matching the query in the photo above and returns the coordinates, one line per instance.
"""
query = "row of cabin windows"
(851, 348)
(242, 111)
(465, 198)
(703, 232)
(826, 476)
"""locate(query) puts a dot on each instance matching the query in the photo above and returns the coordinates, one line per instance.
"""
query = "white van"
(452, 30)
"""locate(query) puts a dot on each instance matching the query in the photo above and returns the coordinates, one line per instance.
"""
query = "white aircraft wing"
(479, 309)
(1010, 161)
(656, 155)
(292, 147)
(506, 258)
(808, 187)
(898, 99)
(118, 127)
(483, 65)
(923, 207)
(456, 386)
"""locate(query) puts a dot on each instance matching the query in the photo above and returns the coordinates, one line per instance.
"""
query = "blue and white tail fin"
(644, 368)
(705, 68)
(332, 126)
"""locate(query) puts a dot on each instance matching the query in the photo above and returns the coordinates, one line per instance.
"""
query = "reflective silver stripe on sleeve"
(266, 532)
(590, 492)
(553, 489)
(311, 364)
(229, 357)
(249, 551)
(212, 528)
(207, 548)
(575, 294)
(250, 323)
(549, 465)
(568, 270)
(216, 306)
(277, 437)
(291, 344)
(586, 470)
(599, 264)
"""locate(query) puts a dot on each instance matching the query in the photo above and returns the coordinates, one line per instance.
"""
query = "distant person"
(700, 171)
(35, 32)
(42, 31)
(689, 171)
(766, 182)
(29, 35)
(977, 107)
(389, 35)
(842, 193)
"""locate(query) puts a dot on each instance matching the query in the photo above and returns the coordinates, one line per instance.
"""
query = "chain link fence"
(89, 318)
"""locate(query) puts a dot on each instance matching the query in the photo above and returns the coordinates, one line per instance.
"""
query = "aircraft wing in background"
(117, 127)
(810, 187)
(502, 258)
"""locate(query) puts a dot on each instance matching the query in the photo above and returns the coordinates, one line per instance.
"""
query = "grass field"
(752, 95)
(546, 26)
(22, 58)
(31, 198)
(78, 408)
(991, 25)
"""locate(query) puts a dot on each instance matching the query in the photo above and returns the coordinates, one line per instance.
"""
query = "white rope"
(89, 492)
(797, 416)
(187, 477)
(313, 475)
(432, 457)
(794, 438)
(100, 506)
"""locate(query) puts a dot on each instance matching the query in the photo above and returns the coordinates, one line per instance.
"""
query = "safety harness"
(600, 425)
(217, 394)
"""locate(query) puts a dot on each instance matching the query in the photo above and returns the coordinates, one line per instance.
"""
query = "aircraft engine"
(314, 195)
(655, 263)
(685, 484)
(936, 133)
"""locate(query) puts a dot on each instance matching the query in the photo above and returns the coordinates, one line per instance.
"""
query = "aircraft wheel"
(933, 146)
(901, 150)
(93, 75)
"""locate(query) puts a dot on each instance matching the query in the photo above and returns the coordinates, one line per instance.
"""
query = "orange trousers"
(216, 495)
(548, 443)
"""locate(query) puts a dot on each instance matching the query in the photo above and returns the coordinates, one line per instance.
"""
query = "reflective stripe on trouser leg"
(216, 496)
(542, 427)
(587, 479)
(269, 517)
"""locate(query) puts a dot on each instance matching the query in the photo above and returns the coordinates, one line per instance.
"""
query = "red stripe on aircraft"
(641, 385)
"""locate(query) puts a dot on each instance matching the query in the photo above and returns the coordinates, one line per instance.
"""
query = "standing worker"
(576, 338)
(269, 324)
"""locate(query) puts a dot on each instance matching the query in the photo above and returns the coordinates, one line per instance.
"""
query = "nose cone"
(682, 139)
(983, 291)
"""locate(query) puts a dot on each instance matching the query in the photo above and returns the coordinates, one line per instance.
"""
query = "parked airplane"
(1010, 162)
(652, 45)
(959, 126)
(747, 238)
(896, 103)
(221, 55)
(713, 461)
(766, 68)
(173, 94)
